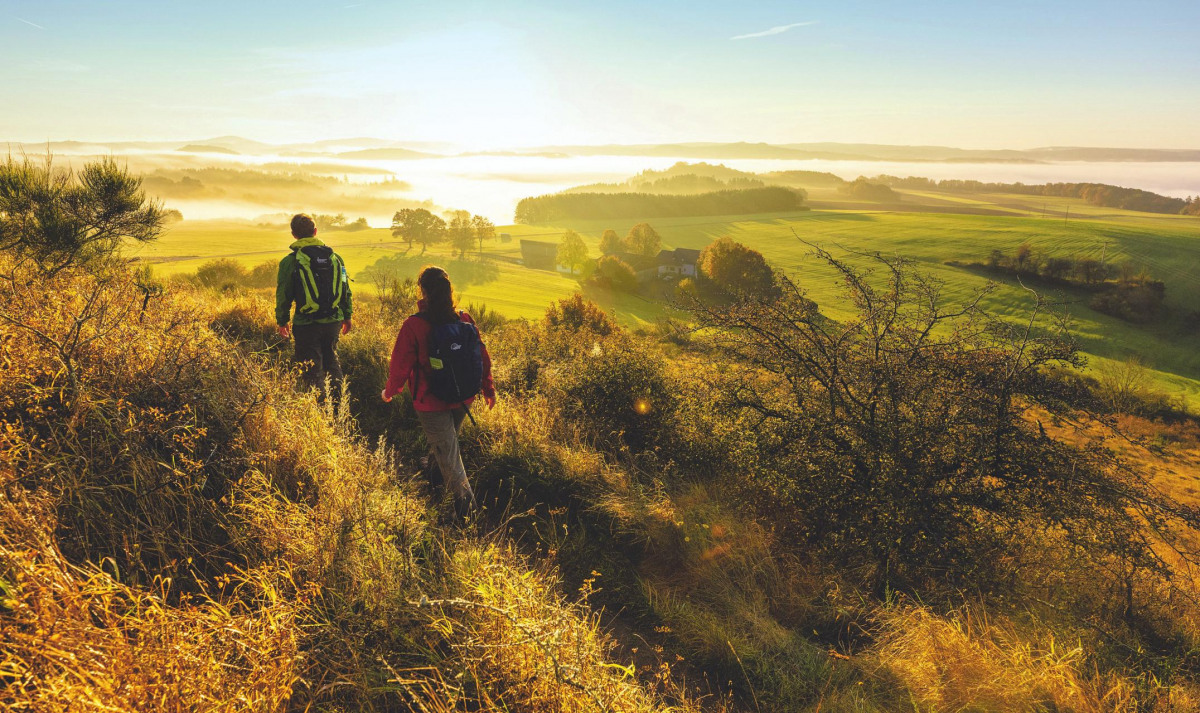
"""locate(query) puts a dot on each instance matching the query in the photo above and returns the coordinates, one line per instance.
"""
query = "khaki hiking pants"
(441, 430)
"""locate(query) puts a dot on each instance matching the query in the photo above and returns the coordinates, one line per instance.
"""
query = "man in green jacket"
(314, 278)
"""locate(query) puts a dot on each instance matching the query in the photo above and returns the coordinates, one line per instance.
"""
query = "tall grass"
(180, 529)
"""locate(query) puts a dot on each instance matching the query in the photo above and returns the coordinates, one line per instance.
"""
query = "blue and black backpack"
(455, 359)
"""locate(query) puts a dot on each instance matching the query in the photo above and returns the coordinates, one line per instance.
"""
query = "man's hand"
(285, 331)
(490, 400)
(386, 399)
(346, 326)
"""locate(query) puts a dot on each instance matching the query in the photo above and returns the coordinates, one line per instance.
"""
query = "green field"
(1167, 246)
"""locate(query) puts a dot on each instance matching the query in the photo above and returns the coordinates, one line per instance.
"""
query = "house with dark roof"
(678, 263)
(644, 265)
(675, 264)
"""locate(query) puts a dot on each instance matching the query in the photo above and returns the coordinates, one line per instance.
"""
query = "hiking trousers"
(441, 430)
(316, 347)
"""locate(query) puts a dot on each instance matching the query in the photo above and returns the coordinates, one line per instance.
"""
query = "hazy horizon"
(526, 74)
(449, 146)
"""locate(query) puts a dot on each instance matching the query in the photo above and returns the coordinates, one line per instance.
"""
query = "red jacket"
(411, 354)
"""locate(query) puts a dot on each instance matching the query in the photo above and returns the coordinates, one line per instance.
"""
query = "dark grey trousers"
(316, 347)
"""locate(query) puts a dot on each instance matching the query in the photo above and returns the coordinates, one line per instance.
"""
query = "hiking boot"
(432, 473)
(465, 509)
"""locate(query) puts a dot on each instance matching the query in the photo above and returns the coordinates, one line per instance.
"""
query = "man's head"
(303, 226)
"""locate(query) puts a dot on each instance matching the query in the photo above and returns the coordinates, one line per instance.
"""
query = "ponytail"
(439, 294)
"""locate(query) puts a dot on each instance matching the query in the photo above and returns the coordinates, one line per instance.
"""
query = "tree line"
(1098, 194)
(686, 183)
(1124, 290)
(589, 206)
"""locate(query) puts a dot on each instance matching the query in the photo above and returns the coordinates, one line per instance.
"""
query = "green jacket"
(285, 291)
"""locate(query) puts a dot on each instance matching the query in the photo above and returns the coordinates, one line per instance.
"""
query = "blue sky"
(987, 74)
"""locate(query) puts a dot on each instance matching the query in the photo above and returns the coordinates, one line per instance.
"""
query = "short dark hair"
(303, 226)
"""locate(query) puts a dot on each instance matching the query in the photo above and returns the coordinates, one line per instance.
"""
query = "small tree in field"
(484, 230)
(610, 242)
(572, 251)
(59, 218)
(737, 269)
(418, 225)
(461, 232)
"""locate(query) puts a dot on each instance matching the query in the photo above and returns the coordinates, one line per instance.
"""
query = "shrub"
(264, 274)
(900, 444)
(1137, 301)
(221, 274)
(616, 274)
(488, 320)
(397, 298)
(576, 314)
(621, 394)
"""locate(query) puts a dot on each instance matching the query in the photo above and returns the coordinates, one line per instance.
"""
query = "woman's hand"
(490, 399)
(384, 395)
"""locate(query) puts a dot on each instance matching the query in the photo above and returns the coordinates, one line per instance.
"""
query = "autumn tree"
(572, 251)
(642, 240)
(610, 242)
(737, 269)
(615, 273)
(418, 225)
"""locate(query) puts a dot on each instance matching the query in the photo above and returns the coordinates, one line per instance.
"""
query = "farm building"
(539, 255)
(677, 263)
(680, 262)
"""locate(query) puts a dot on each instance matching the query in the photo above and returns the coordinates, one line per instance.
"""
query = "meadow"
(932, 229)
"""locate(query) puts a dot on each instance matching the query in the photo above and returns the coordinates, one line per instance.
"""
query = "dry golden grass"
(971, 662)
(511, 641)
(76, 639)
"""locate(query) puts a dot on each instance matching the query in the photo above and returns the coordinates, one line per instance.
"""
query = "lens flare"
(642, 406)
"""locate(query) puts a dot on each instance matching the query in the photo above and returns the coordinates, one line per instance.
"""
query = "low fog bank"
(207, 185)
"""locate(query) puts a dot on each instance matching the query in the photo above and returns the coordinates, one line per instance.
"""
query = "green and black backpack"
(320, 280)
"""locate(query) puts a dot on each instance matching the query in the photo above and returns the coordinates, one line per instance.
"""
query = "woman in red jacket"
(410, 367)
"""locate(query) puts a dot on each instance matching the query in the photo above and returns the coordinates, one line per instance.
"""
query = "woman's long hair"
(438, 293)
